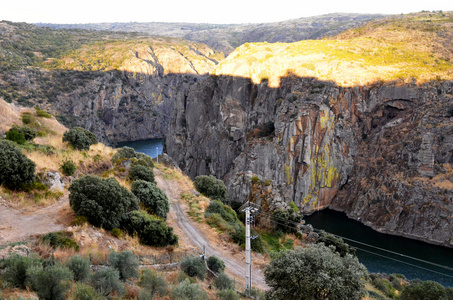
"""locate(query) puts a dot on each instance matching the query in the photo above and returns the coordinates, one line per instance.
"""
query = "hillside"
(226, 37)
(100, 80)
(415, 46)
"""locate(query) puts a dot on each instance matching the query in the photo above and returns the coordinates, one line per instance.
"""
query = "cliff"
(381, 153)
(361, 123)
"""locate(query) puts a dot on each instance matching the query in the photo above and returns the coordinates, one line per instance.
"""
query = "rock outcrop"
(382, 153)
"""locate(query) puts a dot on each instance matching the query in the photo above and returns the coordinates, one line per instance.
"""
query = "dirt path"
(19, 224)
(197, 237)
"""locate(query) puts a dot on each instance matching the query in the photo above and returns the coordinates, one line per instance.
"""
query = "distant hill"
(225, 38)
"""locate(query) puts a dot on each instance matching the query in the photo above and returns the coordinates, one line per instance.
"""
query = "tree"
(215, 264)
(211, 187)
(104, 202)
(189, 291)
(424, 290)
(153, 282)
(50, 283)
(16, 266)
(80, 267)
(286, 220)
(16, 169)
(126, 263)
(315, 272)
(151, 230)
(193, 266)
(107, 281)
(80, 138)
(332, 240)
(139, 172)
(153, 198)
(223, 282)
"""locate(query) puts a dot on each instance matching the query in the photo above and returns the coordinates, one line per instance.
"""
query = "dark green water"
(152, 147)
(399, 250)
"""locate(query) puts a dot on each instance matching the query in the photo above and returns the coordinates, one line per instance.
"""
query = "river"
(379, 252)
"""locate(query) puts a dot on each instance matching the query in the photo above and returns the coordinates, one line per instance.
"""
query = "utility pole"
(248, 208)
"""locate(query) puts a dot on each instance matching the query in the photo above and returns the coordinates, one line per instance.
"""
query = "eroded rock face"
(380, 153)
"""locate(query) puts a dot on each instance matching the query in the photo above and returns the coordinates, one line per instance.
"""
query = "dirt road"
(234, 262)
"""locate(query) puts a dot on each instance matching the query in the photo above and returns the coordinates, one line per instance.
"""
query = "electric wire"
(272, 219)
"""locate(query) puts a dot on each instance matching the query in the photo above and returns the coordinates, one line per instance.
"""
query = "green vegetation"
(193, 266)
(339, 245)
(152, 283)
(16, 169)
(126, 263)
(50, 282)
(286, 220)
(186, 291)
(104, 202)
(80, 138)
(215, 264)
(426, 290)
(211, 187)
(80, 268)
(59, 239)
(140, 172)
(106, 282)
(68, 167)
(291, 276)
(151, 197)
(151, 230)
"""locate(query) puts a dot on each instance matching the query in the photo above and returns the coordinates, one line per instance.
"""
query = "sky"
(200, 11)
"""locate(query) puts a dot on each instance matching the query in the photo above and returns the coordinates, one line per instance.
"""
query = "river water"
(386, 253)
(378, 252)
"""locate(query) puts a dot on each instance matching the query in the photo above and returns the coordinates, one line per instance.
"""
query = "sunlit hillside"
(403, 47)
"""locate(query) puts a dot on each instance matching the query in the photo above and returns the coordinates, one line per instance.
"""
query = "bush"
(337, 242)
(129, 153)
(193, 266)
(50, 283)
(126, 263)
(68, 167)
(107, 281)
(80, 267)
(59, 240)
(153, 199)
(118, 233)
(28, 133)
(104, 202)
(154, 283)
(144, 160)
(226, 212)
(151, 230)
(80, 138)
(425, 290)
(211, 187)
(223, 282)
(15, 269)
(291, 275)
(16, 136)
(139, 172)
(188, 291)
(215, 264)
(41, 113)
(228, 294)
(84, 292)
(286, 220)
(15, 168)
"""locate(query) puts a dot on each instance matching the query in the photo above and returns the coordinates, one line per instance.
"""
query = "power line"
(371, 246)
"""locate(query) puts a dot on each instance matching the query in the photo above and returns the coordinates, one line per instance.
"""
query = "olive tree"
(15, 168)
(315, 272)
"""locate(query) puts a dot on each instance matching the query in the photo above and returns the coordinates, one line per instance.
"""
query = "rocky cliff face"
(381, 153)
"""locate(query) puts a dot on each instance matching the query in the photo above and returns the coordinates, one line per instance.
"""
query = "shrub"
(41, 113)
(15, 269)
(291, 275)
(15, 168)
(124, 153)
(144, 160)
(188, 291)
(84, 292)
(80, 138)
(151, 230)
(332, 240)
(139, 172)
(424, 290)
(125, 262)
(68, 167)
(80, 267)
(153, 199)
(286, 220)
(50, 283)
(211, 187)
(215, 264)
(223, 282)
(29, 133)
(193, 266)
(226, 212)
(118, 233)
(59, 240)
(228, 294)
(104, 202)
(107, 281)
(154, 283)
(16, 136)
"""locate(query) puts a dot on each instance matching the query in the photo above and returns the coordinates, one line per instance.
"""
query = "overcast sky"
(200, 11)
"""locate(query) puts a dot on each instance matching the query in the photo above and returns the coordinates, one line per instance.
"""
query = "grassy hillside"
(402, 47)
